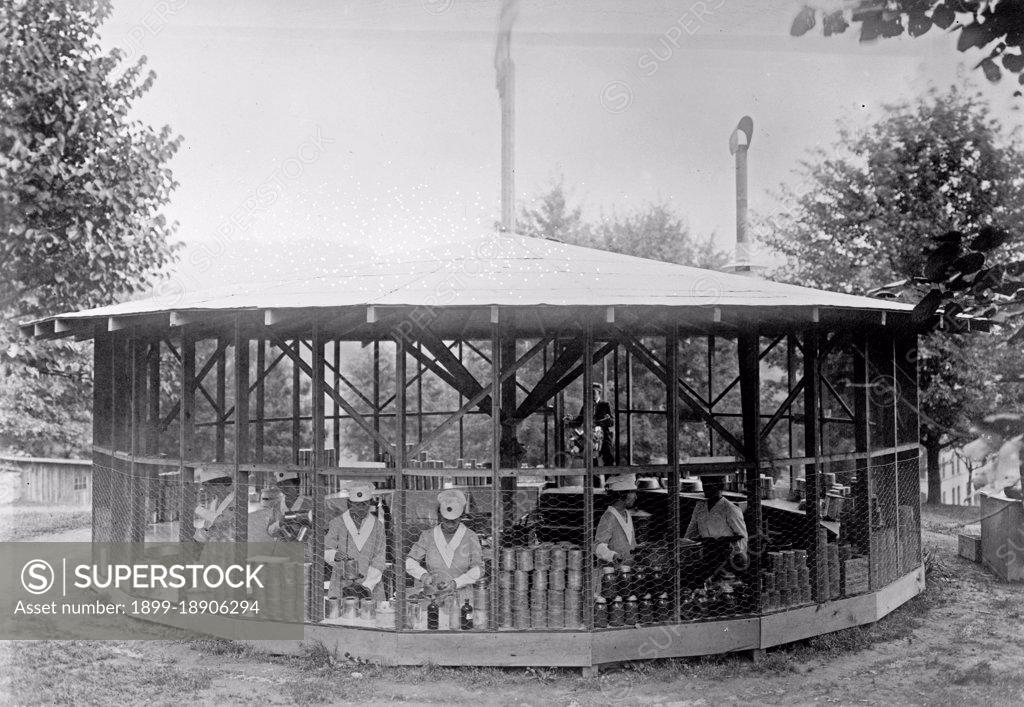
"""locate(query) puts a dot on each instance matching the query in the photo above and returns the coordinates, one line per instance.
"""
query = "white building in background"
(956, 472)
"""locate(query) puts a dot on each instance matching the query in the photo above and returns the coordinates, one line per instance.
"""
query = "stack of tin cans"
(540, 587)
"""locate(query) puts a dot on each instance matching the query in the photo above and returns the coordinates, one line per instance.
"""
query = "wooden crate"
(970, 546)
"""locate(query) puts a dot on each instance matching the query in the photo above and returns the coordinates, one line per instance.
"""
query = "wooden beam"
(261, 396)
(476, 400)
(747, 349)
(794, 393)
(498, 505)
(468, 385)
(240, 477)
(588, 479)
(812, 448)
(319, 529)
(186, 437)
(221, 391)
(672, 442)
(398, 498)
(547, 386)
(692, 403)
(356, 416)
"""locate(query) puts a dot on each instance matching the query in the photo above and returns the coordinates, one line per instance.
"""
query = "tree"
(868, 212)
(982, 24)
(81, 188)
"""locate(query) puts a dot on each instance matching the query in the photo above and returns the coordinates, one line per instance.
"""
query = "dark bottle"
(433, 614)
(466, 619)
(617, 613)
(662, 610)
(632, 611)
(608, 582)
(647, 609)
(600, 613)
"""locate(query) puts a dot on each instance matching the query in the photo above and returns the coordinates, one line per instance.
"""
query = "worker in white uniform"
(450, 551)
(718, 518)
(357, 534)
(213, 517)
(615, 539)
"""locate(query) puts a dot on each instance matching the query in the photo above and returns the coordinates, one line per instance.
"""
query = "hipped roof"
(497, 270)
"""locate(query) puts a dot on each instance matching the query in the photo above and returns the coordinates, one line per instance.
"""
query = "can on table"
(524, 559)
(522, 580)
(558, 558)
(574, 559)
(574, 579)
(538, 609)
(556, 579)
(573, 617)
(508, 559)
(556, 608)
(540, 580)
(542, 557)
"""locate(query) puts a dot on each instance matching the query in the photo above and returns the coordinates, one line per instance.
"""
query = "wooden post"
(240, 516)
(138, 492)
(711, 393)
(261, 397)
(120, 413)
(812, 448)
(296, 402)
(588, 479)
(748, 350)
(398, 503)
(498, 490)
(505, 354)
(102, 435)
(615, 403)
(336, 422)
(791, 374)
(222, 357)
(462, 418)
(153, 405)
(861, 519)
(377, 451)
(629, 408)
(319, 510)
(187, 437)
(672, 430)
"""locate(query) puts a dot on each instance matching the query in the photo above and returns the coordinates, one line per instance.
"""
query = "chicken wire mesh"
(520, 558)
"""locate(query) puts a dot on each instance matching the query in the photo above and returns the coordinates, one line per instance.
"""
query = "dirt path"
(961, 642)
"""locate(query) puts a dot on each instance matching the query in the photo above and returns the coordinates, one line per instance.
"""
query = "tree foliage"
(993, 26)
(81, 189)
(876, 208)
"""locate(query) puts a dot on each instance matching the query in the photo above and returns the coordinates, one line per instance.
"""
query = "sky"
(316, 131)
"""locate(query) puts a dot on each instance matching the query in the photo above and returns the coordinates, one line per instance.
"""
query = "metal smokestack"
(739, 143)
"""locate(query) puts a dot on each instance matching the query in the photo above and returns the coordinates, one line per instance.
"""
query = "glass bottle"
(466, 619)
(617, 612)
(600, 613)
(433, 614)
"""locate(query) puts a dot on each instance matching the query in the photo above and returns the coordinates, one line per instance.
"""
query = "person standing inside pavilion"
(357, 534)
(604, 419)
(719, 524)
(615, 537)
(450, 551)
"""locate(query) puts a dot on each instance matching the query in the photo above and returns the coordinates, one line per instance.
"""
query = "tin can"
(524, 559)
(573, 617)
(522, 580)
(333, 609)
(508, 559)
(574, 579)
(505, 619)
(540, 580)
(542, 557)
(556, 609)
(521, 612)
(574, 559)
(538, 609)
(558, 558)
(556, 579)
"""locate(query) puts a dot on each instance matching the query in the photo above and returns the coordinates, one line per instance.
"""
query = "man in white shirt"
(718, 518)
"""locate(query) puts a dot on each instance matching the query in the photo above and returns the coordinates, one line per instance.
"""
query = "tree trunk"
(932, 448)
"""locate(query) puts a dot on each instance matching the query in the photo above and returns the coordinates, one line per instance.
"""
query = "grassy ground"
(959, 642)
(24, 522)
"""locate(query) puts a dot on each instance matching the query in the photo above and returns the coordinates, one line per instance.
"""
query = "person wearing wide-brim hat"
(213, 519)
(450, 551)
(357, 534)
(615, 538)
(718, 518)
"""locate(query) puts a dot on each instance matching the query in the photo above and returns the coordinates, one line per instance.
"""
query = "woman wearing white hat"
(450, 550)
(357, 535)
(213, 520)
(615, 539)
